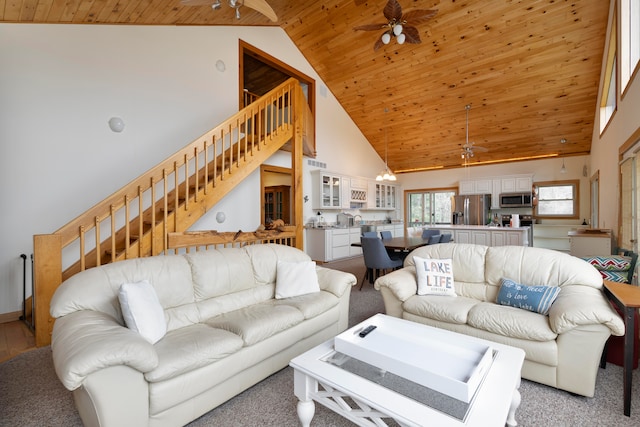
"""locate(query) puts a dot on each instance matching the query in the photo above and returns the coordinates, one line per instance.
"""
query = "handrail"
(136, 220)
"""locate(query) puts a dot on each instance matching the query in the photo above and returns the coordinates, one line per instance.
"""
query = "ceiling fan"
(469, 148)
(398, 25)
(258, 5)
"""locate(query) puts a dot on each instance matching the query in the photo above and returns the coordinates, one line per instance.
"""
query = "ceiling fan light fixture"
(216, 5)
(386, 38)
(401, 38)
(238, 12)
(397, 29)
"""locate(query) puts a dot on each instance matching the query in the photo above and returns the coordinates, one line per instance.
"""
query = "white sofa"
(563, 349)
(225, 331)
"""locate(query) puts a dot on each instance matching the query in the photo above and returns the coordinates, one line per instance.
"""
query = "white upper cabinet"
(327, 190)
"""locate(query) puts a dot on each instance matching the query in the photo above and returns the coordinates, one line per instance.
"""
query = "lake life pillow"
(296, 278)
(435, 276)
(533, 298)
(142, 311)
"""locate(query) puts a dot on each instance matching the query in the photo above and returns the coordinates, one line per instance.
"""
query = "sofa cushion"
(296, 278)
(468, 260)
(192, 347)
(538, 266)
(442, 308)
(258, 322)
(142, 311)
(435, 276)
(311, 305)
(510, 322)
(533, 298)
(220, 272)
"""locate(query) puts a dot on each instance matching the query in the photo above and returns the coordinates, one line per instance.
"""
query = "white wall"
(604, 148)
(60, 84)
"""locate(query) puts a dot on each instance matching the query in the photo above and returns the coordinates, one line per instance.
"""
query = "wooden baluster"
(140, 219)
(83, 257)
(112, 213)
(153, 216)
(197, 171)
(98, 247)
(186, 183)
(176, 192)
(127, 226)
(206, 168)
(165, 202)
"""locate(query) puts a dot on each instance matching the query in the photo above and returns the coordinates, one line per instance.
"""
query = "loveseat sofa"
(229, 322)
(563, 348)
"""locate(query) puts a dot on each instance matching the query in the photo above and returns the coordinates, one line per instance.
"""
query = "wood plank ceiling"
(529, 69)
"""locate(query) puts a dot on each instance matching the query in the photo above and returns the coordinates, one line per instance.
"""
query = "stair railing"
(136, 220)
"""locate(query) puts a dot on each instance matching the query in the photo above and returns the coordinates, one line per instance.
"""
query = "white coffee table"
(368, 395)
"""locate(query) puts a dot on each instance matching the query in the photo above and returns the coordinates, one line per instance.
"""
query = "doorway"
(275, 194)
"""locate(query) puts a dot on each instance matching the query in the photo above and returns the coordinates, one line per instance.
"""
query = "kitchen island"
(486, 235)
(332, 243)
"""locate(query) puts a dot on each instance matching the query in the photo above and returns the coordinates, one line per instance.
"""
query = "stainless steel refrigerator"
(471, 209)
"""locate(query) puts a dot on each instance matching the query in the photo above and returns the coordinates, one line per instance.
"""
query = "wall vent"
(317, 164)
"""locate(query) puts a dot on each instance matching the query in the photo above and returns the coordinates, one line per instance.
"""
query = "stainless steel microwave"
(516, 200)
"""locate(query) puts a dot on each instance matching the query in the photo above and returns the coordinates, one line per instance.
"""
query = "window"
(629, 40)
(557, 199)
(608, 100)
(429, 207)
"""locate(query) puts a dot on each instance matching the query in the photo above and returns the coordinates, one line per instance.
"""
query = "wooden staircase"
(137, 220)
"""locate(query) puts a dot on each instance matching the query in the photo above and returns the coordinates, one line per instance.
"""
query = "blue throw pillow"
(532, 298)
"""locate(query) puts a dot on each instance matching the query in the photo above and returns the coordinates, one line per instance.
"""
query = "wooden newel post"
(47, 276)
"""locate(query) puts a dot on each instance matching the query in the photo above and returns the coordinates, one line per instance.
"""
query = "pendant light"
(386, 174)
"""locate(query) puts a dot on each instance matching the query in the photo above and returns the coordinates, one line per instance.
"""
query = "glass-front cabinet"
(385, 196)
(329, 190)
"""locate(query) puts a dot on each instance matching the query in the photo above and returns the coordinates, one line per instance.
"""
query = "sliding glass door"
(429, 207)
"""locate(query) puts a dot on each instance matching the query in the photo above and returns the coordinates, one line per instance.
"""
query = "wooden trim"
(10, 317)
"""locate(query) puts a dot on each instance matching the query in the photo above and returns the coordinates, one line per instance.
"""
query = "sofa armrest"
(86, 341)
(335, 281)
(582, 305)
(402, 283)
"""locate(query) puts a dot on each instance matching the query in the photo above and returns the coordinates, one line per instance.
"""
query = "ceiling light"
(563, 169)
(386, 174)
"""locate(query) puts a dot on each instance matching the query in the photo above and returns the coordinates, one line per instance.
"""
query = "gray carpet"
(31, 395)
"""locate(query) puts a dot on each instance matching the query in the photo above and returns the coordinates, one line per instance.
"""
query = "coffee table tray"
(452, 367)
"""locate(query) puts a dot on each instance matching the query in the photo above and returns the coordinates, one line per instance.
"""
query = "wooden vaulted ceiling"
(529, 69)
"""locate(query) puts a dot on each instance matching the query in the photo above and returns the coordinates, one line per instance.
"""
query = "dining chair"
(427, 232)
(376, 259)
(369, 234)
(445, 238)
(434, 239)
(386, 234)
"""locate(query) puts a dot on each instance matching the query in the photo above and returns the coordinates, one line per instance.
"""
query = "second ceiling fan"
(469, 148)
(258, 5)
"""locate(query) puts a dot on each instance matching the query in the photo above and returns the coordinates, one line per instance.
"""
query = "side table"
(627, 298)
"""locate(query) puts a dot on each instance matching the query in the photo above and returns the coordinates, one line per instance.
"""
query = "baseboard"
(10, 317)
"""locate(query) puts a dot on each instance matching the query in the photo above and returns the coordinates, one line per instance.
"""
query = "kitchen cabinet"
(382, 196)
(277, 201)
(475, 186)
(328, 190)
(488, 236)
(507, 238)
(590, 242)
(496, 186)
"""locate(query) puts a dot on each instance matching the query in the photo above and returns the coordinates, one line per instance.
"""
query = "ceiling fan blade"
(393, 10)
(412, 35)
(480, 149)
(414, 17)
(371, 27)
(263, 7)
(378, 44)
(196, 2)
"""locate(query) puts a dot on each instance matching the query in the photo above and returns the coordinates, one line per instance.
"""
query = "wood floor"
(15, 338)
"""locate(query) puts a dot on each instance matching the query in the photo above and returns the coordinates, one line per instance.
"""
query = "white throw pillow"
(435, 276)
(142, 311)
(296, 278)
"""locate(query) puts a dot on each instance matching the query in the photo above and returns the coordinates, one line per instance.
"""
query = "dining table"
(402, 243)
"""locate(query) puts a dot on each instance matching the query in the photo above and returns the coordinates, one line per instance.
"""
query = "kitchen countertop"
(474, 227)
